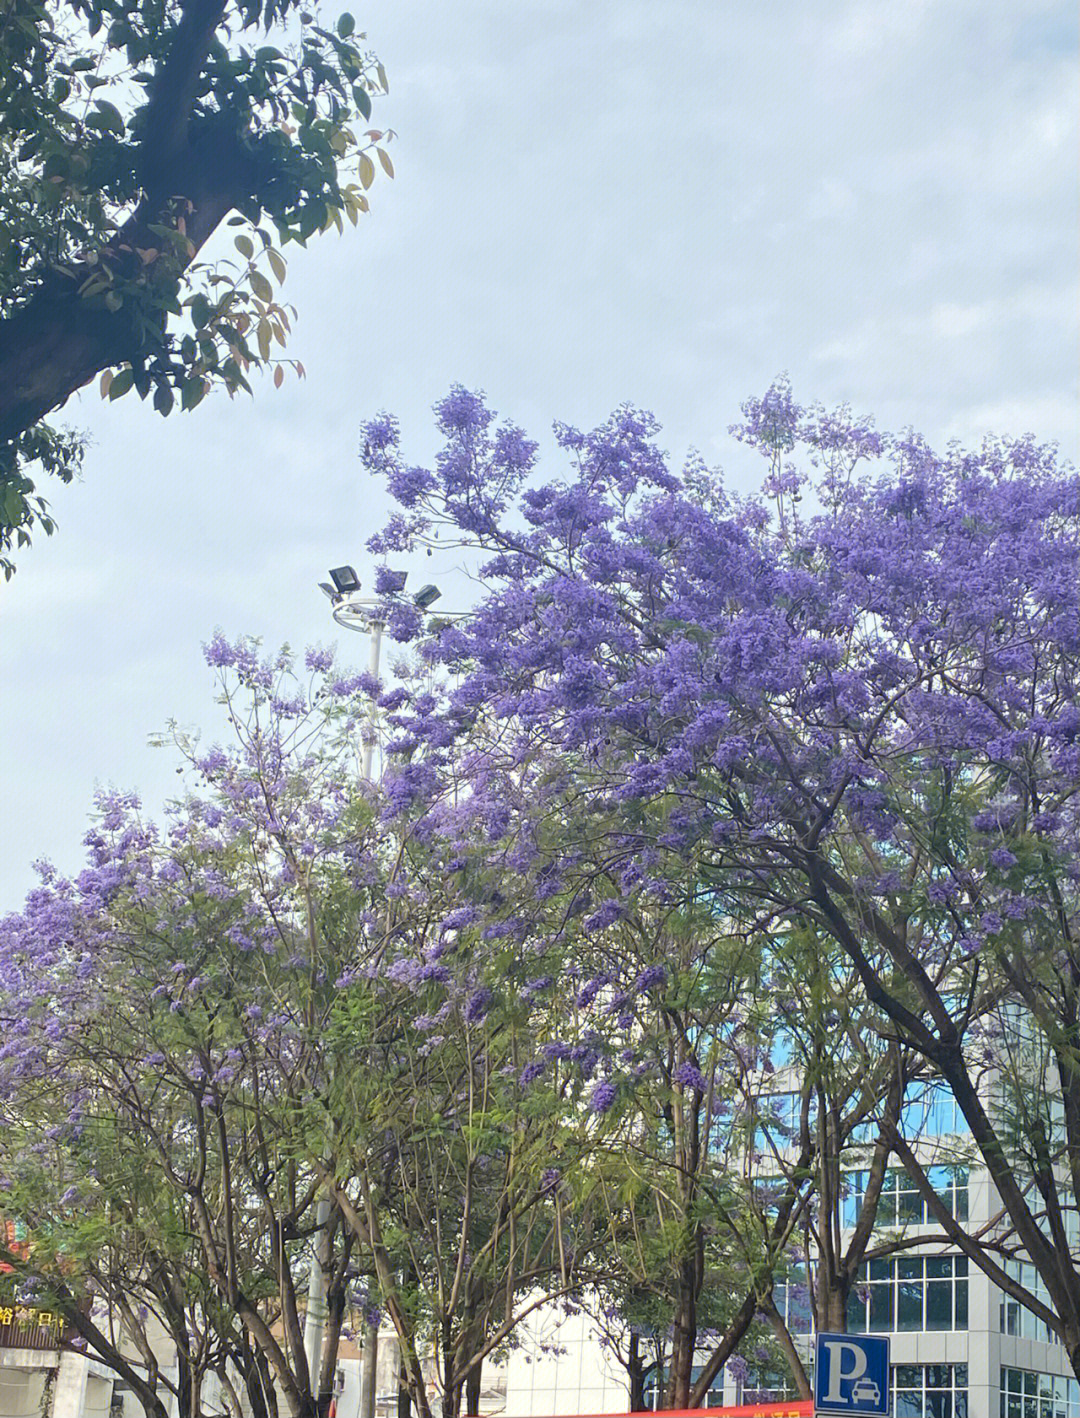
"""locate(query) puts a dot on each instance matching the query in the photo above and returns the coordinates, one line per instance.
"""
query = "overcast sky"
(662, 201)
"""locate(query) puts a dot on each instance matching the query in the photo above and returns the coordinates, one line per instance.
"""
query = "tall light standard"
(352, 611)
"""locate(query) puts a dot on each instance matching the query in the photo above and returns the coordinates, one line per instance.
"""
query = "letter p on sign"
(851, 1374)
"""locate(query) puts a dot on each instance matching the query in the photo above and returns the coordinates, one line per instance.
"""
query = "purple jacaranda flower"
(478, 1004)
(602, 1096)
(688, 1075)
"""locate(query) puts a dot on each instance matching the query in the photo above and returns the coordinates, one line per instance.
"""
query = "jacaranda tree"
(164, 1013)
(286, 996)
(853, 694)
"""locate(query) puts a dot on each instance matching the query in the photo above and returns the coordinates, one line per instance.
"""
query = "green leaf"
(245, 246)
(345, 25)
(122, 381)
(277, 264)
(261, 286)
(193, 391)
(106, 117)
(362, 99)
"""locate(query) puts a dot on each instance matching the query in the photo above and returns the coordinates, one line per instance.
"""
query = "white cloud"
(868, 27)
(951, 321)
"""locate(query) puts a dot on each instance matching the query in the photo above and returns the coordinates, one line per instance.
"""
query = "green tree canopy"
(129, 131)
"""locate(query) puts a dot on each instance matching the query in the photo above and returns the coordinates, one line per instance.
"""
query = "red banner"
(790, 1408)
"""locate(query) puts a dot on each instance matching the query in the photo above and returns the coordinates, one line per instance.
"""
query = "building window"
(930, 1111)
(1017, 1318)
(767, 1385)
(930, 1391)
(910, 1293)
(654, 1390)
(792, 1300)
(779, 1119)
(900, 1203)
(1030, 1395)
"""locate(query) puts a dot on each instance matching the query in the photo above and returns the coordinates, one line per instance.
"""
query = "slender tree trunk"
(637, 1371)
(335, 1318)
(473, 1384)
(184, 1386)
(369, 1376)
(261, 1388)
(195, 1391)
(412, 1389)
(733, 1337)
(451, 1384)
(791, 1353)
(404, 1398)
(684, 1334)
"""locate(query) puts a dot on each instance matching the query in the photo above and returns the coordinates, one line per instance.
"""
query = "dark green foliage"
(129, 131)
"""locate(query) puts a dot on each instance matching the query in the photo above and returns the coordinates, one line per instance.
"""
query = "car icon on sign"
(865, 1390)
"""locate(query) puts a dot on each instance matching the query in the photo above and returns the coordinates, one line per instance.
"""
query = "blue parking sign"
(851, 1374)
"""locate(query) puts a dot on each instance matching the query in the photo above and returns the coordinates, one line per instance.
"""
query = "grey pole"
(315, 1319)
(368, 1384)
(345, 616)
(376, 629)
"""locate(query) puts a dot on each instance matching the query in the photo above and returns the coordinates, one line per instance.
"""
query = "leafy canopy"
(129, 130)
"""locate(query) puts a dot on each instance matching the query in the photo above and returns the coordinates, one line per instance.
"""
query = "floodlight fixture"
(392, 583)
(328, 591)
(426, 596)
(345, 579)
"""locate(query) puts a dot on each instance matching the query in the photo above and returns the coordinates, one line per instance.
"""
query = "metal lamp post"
(353, 612)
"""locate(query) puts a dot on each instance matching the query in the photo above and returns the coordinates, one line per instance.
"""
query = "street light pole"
(376, 625)
(315, 1319)
(368, 1384)
(352, 613)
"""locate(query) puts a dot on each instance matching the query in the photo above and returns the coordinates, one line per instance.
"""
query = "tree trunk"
(684, 1337)
(473, 1383)
(791, 1353)
(411, 1384)
(404, 1398)
(733, 1337)
(369, 1377)
(183, 1386)
(335, 1317)
(637, 1371)
(259, 1385)
(830, 1304)
(451, 1383)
